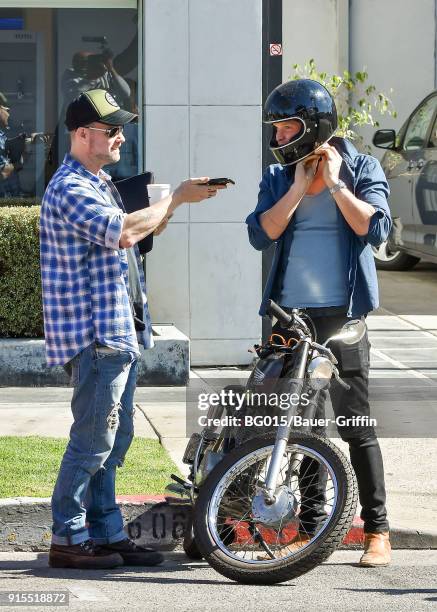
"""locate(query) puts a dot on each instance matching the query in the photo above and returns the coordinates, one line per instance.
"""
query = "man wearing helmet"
(325, 206)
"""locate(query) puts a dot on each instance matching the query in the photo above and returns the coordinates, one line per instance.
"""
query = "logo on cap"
(110, 99)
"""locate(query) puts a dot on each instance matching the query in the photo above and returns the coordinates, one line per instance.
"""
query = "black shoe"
(133, 554)
(85, 555)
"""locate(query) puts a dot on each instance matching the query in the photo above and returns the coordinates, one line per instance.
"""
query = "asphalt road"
(410, 583)
(413, 292)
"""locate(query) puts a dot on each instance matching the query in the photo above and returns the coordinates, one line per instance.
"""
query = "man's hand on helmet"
(305, 172)
(332, 163)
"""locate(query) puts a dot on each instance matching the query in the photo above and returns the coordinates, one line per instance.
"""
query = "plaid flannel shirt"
(84, 272)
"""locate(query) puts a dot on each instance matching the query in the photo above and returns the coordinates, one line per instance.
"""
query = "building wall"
(393, 40)
(202, 117)
(315, 29)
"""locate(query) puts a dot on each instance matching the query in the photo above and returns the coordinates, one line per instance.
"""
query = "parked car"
(410, 164)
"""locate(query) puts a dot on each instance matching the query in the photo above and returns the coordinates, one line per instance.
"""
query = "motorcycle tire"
(318, 550)
(190, 546)
(192, 550)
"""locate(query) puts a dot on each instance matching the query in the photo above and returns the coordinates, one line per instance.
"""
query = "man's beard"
(108, 158)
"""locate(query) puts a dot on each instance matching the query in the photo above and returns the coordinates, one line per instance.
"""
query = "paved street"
(410, 293)
(410, 583)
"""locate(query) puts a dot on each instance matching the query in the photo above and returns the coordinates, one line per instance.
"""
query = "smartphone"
(220, 181)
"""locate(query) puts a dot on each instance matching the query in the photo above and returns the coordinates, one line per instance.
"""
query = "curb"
(400, 537)
(152, 520)
(23, 361)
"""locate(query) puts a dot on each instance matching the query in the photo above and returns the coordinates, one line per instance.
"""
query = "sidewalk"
(45, 411)
(410, 464)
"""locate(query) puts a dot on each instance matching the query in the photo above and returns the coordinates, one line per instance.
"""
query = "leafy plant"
(356, 100)
(19, 201)
(21, 310)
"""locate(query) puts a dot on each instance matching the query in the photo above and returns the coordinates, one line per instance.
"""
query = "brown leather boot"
(83, 556)
(299, 540)
(377, 550)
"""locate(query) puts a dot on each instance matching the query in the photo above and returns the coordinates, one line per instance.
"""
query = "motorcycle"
(254, 489)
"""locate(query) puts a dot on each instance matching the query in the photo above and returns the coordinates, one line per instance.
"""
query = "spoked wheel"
(314, 506)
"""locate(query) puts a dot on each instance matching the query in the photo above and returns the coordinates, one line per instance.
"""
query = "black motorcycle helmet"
(308, 102)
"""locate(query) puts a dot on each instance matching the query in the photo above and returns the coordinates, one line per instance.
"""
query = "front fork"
(283, 432)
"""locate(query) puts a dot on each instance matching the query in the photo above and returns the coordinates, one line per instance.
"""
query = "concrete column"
(202, 110)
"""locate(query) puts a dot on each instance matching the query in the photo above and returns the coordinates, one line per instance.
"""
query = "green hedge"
(21, 312)
(4, 202)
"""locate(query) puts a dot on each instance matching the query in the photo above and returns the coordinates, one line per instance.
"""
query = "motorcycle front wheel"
(316, 492)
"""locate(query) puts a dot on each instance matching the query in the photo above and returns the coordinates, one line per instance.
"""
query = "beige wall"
(314, 29)
(394, 40)
(202, 110)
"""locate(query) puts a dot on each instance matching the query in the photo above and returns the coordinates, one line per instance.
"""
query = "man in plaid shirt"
(90, 270)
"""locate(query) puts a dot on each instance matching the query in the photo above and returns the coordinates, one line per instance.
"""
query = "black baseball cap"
(96, 105)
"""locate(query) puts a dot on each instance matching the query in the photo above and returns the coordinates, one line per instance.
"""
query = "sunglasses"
(110, 132)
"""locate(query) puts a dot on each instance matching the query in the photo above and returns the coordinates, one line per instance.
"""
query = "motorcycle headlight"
(320, 371)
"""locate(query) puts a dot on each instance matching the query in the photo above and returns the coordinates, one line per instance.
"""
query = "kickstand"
(258, 538)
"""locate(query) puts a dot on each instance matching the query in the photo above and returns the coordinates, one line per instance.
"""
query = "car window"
(433, 136)
(415, 136)
(400, 135)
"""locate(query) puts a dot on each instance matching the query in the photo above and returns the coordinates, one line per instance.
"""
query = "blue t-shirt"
(315, 257)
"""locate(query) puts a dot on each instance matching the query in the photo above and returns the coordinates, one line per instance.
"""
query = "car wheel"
(388, 259)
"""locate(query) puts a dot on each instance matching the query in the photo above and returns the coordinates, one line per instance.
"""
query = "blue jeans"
(83, 501)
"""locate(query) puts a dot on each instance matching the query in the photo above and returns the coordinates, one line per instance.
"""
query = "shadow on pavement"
(396, 592)
(173, 564)
(39, 568)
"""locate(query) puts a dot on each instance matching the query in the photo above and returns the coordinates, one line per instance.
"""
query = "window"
(433, 136)
(415, 137)
(47, 57)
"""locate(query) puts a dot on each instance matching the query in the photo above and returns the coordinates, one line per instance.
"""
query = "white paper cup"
(158, 191)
